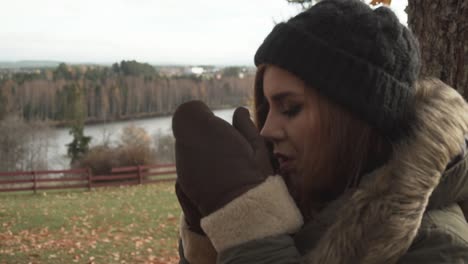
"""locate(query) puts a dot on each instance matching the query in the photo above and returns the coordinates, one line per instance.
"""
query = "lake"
(57, 155)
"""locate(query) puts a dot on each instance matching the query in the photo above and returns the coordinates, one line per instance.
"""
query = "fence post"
(34, 182)
(139, 175)
(90, 178)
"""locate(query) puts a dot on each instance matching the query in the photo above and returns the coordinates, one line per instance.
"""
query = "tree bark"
(442, 29)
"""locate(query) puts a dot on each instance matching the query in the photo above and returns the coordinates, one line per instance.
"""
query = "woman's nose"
(272, 129)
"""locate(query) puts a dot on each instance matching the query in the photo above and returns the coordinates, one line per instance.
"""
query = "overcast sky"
(222, 32)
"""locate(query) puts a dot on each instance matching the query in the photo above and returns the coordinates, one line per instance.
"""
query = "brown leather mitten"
(242, 122)
(215, 162)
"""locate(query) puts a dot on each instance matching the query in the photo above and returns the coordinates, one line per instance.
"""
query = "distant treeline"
(128, 89)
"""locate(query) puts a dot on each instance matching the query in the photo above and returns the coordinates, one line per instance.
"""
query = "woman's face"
(292, 119)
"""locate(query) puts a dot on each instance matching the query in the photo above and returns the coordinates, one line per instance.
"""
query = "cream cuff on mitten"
(266, 210)
(197, 248)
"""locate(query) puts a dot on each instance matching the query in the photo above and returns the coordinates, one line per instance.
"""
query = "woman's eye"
(292, 111)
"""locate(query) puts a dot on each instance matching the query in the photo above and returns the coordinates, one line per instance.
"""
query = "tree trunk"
(442, 29)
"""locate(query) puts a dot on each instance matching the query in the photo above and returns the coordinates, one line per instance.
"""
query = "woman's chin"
(293, 185)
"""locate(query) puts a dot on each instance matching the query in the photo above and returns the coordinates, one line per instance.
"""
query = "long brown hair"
(344, 149)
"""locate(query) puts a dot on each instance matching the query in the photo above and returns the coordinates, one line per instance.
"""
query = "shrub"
(134, 148)
(23, 145)
(100, 159)
(133, 155)
(164, 146)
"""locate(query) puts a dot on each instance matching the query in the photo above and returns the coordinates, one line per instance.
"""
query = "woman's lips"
(286, 163)
(286, 166)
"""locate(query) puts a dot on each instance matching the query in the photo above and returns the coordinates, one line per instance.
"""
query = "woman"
(368, 165)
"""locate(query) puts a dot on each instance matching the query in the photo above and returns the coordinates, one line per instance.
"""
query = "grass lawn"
(135, 224)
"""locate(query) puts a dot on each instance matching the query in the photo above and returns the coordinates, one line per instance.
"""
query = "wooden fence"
(83, 178)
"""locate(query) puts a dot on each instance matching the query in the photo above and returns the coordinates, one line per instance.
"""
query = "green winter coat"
(441, 238)
(411, 210)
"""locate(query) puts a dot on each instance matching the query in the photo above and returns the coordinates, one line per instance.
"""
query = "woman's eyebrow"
(280, 96)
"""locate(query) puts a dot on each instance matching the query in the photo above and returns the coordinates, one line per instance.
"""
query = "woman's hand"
(225, 171)
(215, 161)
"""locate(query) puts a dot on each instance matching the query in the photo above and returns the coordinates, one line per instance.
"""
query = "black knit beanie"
(360, 58)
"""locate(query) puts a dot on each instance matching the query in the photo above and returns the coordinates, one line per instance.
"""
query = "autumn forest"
(126, 90)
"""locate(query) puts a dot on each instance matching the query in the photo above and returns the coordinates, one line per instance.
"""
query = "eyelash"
(293, 111)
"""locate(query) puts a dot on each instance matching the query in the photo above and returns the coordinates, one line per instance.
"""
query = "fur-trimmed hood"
(377, 222)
